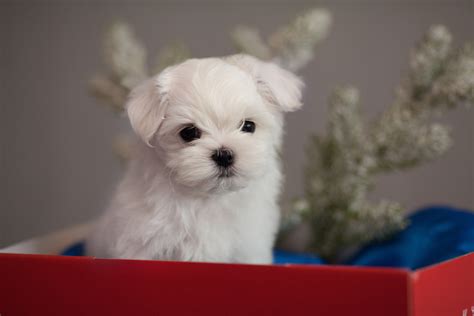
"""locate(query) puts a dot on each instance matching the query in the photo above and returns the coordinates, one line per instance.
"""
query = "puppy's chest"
(212, 231)
(214, 221)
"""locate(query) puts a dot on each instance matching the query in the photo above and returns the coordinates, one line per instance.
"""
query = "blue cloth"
(75, 250)
(434, 234)
(287, 257)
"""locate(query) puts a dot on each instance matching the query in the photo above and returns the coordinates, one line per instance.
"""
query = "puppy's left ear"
(277, 85)
(146, 107)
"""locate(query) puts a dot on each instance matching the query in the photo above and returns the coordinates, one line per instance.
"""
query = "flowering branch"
(344, 162)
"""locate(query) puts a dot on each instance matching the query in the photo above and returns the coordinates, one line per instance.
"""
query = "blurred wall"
(56, 163)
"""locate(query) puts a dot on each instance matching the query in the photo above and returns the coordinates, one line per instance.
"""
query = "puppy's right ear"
(147, 105)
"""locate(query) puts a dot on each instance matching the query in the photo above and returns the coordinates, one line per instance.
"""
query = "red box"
(59, 285)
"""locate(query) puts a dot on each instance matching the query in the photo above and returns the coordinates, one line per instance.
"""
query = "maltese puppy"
(205, 177)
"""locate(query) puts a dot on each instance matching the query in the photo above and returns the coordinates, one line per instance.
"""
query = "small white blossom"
(125, 55)
(248, 41)
(292, 46)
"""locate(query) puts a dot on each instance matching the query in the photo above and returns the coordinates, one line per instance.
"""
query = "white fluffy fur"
(171, 204)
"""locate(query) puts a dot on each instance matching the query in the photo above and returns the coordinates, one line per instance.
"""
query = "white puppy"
(204, 182)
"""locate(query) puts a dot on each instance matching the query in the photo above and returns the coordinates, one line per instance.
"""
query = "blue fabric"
(75, 250)
(434, 234)
(286, 257)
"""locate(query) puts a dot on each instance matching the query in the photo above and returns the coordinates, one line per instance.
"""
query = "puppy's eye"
(190, 133)
(248, 127)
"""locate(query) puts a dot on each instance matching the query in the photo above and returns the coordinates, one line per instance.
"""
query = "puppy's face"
(217, 122)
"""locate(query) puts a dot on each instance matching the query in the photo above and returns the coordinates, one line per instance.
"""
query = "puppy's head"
(217, 122)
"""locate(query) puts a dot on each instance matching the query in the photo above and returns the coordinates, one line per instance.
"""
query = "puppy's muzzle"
(223, 157)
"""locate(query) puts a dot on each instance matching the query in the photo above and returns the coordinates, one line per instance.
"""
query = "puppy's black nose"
(223, 157)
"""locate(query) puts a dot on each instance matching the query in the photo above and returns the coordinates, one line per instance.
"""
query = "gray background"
(56, 163)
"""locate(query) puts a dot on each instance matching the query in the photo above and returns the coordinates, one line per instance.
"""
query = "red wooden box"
(57, 285)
